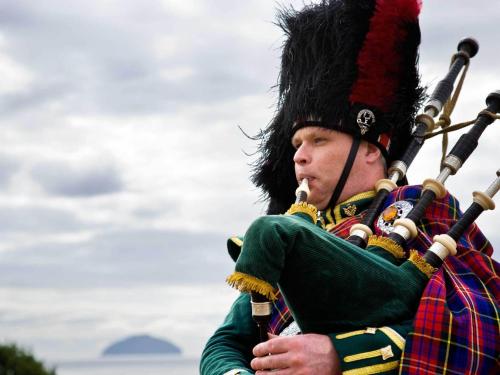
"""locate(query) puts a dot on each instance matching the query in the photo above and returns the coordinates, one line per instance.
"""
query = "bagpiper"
(348, 97)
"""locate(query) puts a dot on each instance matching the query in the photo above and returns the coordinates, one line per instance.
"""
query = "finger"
(271, 336)
(270, 362)
(275, 345)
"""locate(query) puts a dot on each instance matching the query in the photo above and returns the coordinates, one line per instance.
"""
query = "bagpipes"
(334, 285)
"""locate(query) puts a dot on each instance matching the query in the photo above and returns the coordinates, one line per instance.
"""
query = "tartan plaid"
(457, 325)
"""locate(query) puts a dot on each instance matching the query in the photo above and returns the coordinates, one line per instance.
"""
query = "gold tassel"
(388, 245)
(247, 283)
(304, 208)
(421, 264)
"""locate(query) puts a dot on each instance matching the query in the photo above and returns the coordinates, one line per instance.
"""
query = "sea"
(125, 365)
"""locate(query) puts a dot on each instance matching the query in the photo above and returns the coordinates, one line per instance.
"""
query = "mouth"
(301, 177)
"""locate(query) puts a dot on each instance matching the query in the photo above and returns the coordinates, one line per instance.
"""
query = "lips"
(301, 176)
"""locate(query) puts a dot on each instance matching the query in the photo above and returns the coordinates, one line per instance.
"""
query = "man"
(348, 93)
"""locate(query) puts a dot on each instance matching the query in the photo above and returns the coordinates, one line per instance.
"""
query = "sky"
(123, 168)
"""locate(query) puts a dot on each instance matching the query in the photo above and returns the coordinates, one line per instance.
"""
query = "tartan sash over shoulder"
(457, 326)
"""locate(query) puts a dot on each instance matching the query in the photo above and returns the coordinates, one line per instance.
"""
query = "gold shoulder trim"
(395, 337)
(369, 330)
(375, 369)
(237, 241)
(360, 196)
(388, 245)
(421, 264)
(304, 208)
(349, 334)
(329, 217)
(385, 353)
(248, 283)
(337, 215)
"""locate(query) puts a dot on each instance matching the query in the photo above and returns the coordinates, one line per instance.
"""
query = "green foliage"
(16, 361)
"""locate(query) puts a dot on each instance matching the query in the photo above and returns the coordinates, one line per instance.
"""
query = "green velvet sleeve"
(371, 350)
(231, 345)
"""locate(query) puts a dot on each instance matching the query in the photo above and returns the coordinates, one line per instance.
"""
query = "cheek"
(331, 163)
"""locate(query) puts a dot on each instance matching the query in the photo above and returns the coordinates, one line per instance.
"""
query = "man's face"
(320, 157)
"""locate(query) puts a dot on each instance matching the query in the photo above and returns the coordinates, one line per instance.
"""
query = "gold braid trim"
(373, 369)
(388, 245)
(305, 208)
(237, 241)
(421, 264)
(247, 283)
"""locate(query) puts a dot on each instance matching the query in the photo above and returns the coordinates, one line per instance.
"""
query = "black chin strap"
(345, 173)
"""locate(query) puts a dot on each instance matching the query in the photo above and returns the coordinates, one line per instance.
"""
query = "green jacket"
(367, 351)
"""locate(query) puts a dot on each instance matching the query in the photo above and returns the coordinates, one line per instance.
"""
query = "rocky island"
(141, 344)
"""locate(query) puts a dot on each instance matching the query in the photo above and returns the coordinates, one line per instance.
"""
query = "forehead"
(312, 131)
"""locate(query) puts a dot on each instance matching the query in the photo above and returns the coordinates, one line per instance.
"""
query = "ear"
(371, 153)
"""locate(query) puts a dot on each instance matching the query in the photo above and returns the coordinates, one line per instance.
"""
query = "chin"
(318, 200)
(319, 205)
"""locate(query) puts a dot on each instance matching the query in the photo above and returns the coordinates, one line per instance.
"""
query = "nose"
(302, 155)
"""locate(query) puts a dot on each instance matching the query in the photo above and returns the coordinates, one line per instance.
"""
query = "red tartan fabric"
(456, 327)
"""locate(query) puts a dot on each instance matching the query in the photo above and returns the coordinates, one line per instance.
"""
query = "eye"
(296, 144)
(319, 140)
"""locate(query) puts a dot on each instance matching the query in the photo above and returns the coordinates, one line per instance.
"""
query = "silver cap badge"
(365, 120)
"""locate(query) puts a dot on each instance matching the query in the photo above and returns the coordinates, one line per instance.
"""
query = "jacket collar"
(348, 208)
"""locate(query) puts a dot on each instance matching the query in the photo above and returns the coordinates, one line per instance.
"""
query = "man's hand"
(297, 355)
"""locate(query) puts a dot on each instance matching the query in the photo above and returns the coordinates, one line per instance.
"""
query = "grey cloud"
(106, 64)
(67, 180)
(441, 31)
(36, 97)
(151, 213)
(120, 259)
(8, 167)
(37, 220)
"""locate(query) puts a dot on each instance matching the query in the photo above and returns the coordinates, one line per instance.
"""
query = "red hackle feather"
(379, 61)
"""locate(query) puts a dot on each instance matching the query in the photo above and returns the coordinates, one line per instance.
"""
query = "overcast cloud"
(123, 169)
(77, 180)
